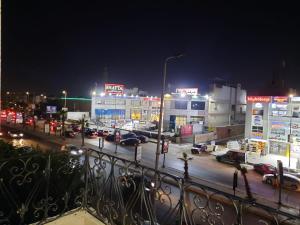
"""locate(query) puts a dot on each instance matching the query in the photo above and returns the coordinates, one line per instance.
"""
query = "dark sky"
(52, 45)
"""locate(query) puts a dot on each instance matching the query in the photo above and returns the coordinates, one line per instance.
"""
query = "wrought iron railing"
(39, 188)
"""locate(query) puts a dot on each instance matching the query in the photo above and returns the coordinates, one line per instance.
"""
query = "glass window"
(180, 104)
(197, 105)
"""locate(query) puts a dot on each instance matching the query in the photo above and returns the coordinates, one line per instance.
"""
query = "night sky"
(53, 45)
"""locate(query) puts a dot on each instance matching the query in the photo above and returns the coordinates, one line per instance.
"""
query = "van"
(232, 157)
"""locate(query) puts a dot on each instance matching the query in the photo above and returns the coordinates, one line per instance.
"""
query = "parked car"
(110, 137)
(130, 141)
(232, 157)
(15, 134)
(290, 182)
(143, 138)
(90, 133)
(263, 169)
(69, 134)
(102, 133)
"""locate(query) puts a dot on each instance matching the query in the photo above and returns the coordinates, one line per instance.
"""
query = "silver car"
(290, 182)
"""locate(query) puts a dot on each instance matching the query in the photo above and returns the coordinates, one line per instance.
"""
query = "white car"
(15, 134)
(290, 182)
(74, 150)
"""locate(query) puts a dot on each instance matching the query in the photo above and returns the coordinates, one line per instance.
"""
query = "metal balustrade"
(38, 188)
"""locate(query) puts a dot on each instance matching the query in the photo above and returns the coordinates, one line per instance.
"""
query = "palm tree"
(243, 171)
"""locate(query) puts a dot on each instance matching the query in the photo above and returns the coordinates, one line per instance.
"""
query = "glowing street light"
(65, 93)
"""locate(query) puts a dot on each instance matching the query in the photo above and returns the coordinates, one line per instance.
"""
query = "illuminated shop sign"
(114, 88)
(295, 99)
(151, 99)
(187, 91)
(280, 99)
(258, 98)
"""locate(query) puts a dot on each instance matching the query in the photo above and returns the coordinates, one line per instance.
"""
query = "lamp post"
(27, 95)
(290, 136)
(65, 93)
(161, 112)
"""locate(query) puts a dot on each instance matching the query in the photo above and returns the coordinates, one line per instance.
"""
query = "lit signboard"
(280, 99)
(114, 88)
(151, 99)
(187, 91)
(258, 98)
(295, 99)
(51, 109)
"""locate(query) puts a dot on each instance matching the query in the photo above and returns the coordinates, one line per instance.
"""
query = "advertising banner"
(257, 120)
(280, 99)
(114, 88)
(51, 109)
(279, 130)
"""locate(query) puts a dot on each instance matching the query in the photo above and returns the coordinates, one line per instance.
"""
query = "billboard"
(114, 89)
(280, 99)
(51, 109)
(187, 91)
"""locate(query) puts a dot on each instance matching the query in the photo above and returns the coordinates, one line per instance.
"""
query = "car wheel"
(269, 181)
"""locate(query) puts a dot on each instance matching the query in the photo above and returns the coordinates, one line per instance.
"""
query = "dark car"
(232, 157)
(263, 169)
(24, 149)
(90, 133)
(102, 133)
(15, 134)
(142, 138)
(130, 141)
(69, 134)
(110, 137)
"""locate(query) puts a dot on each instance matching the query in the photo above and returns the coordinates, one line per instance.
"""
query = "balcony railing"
(40, 188)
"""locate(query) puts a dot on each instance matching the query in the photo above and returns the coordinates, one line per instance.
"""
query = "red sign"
(165, 146)
(186, 130)
(151, 99)
(114, 88)
(280, 99)
(258, 98)
(117, 137)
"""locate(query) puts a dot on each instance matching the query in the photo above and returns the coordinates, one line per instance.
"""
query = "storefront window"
(180, 120)
(197, 105)
(180, 104)
(296, 111)
(136, 114)
(278, 148)
(196, 118)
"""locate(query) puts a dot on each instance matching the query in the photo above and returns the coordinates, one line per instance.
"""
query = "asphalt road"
(203, 167)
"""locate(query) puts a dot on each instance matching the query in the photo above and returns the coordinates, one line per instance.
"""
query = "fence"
(39, 188)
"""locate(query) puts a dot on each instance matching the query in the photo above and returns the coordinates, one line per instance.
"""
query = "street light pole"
(65, 93)
(161, 112)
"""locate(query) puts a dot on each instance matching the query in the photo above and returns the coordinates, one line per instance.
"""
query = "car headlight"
(80, 151)
(1, 134)
(15, 135)
(21, 135)
(73, 152)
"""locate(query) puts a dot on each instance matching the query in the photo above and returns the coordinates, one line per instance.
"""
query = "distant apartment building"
(227, 105)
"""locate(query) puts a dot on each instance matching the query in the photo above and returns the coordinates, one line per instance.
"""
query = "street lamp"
(161, 111)
(65, 93)
(27, 95)
(290, 136)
